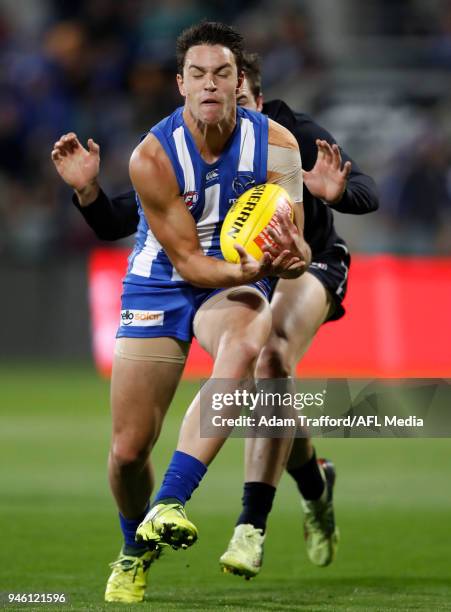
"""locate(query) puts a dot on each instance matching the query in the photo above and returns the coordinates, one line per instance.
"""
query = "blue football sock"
(182, 477)
(129, 527)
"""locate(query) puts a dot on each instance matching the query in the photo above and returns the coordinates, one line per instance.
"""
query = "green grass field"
(59, 529)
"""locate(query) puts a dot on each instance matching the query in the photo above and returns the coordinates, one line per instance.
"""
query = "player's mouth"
(210, 102)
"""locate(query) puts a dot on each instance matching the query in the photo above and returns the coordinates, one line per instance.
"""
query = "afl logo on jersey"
(190, 198)
(242, 183)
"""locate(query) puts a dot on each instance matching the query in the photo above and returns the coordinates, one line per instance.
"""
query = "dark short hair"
(209, 33)
(252, 71)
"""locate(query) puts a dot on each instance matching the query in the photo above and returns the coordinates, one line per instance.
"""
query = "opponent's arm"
(334, 177)
(174, 227)
(356, 192)
(360, 196)
(111, 219)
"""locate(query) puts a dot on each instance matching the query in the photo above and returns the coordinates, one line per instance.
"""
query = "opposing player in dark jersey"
(331, 181)
(187, 171)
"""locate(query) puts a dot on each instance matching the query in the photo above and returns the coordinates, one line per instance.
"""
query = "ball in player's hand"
(249, 219)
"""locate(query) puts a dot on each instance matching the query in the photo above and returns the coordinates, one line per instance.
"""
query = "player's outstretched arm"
(110, 219)
(360, 193)
(334, 176)
(174, 227)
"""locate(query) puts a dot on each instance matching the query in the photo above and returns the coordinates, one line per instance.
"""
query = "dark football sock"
(257, 503)
(309, 479)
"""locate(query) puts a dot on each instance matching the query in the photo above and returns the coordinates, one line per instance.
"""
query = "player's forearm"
(209, 272)
(360, 196)
(88, 194)
(110, 219)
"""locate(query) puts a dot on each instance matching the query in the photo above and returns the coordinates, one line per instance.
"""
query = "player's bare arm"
(328, 177)
(285, 169)
(175, 229)
(78, 166)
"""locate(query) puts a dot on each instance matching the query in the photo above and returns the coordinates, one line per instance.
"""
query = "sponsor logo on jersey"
(319, 265)
(190, 198)
(141, 318)
(213, 175)
(242, 183)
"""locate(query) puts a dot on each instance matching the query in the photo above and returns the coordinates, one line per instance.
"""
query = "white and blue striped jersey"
(208, 190)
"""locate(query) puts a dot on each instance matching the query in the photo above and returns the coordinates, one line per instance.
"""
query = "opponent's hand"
(327, 179)
(77, 166)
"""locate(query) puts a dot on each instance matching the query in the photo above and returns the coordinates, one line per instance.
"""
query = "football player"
(172, 278)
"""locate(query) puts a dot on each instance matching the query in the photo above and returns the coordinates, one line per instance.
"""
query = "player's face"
(209, 83)
(247, 99)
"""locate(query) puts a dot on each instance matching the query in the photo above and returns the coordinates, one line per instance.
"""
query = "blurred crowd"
(105, 69)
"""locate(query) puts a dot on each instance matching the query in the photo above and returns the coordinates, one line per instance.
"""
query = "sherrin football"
(249, 219)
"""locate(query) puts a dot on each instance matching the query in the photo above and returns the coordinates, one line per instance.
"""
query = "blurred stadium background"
(377, 74)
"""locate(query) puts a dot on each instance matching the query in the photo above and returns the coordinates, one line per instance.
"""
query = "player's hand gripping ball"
(249, 219)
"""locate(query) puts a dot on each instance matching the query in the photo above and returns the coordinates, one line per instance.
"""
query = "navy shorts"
(331, 268)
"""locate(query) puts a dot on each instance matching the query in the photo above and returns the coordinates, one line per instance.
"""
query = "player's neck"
(210, 140)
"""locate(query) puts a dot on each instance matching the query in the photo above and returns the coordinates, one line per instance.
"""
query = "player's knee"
(273, 361)
(238, 357)
(130, 453)
(248, 351)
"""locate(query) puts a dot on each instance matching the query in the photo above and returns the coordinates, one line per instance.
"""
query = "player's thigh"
(299, 307)
(233, 319)
(146, 372)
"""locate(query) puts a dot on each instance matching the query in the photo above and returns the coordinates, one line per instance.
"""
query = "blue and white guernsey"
(209, 190)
